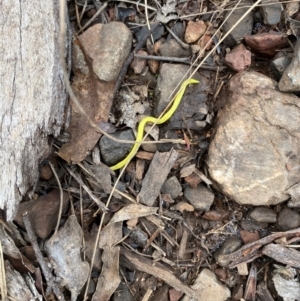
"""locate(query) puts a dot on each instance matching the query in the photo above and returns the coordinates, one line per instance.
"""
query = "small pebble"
(263, 215)
(230, 245)
(172, 187)
(194, 31)
(113, 152)
(239, 58)
(248, 236)
(200, 197)
(288, 219)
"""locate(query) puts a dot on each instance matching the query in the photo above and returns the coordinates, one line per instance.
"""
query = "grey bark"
(32, 94)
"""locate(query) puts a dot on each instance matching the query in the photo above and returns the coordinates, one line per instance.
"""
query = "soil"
(154, 243)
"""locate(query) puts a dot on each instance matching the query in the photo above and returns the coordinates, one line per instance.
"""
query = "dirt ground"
(159, 227)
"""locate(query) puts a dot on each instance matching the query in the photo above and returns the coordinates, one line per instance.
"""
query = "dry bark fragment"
(146, 265)
(282, 254)
(250, 251)
(32, 94)
(156, 176)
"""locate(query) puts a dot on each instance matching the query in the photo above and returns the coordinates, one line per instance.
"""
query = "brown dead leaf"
(95, 97)
(43, 212)
(145, 155)
(110, 235)
(109, 278)
(193, 180)
(132, 211)
(64, 251)
(21, 262)
(183, 206)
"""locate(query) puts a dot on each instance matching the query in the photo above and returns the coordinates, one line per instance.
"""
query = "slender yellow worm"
(163, 119)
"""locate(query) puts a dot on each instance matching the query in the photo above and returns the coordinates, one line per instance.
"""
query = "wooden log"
(32, 94)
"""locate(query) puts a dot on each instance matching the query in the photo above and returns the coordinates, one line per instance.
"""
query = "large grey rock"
(255, 153)
(290, 80)
(209, 288)
(101, 41)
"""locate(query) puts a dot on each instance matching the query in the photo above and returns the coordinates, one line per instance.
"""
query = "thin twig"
(128, 61)
(100, 228)
(140, 4)
(163, 58)
(184, 60)
(61, 196)
(88, 191)
(51, 283)
(147, 20)
(77, 15)
(182, 44)
(99, 11)
(3, 287)
(83, 10)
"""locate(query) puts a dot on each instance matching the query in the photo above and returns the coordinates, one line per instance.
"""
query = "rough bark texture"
(32, 94)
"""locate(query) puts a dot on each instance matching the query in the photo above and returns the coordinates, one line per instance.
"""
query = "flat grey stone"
(288, 219)
(172, 187)
(200, 197)
(255, 151)
(263, 215)
(172, 48)
(113, 152)
(193, 104)
(271, 13)
(230, 245)
(243, 29)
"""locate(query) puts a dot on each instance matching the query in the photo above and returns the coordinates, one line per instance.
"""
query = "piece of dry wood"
(156, 175)
(51, 281)
(146, 265)
(250, 251)
(250, 289)
(183, 243)
(263, 292)
(144, 155)
(32, 94)
(283, 255)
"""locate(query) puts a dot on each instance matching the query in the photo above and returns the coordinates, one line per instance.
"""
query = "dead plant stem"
(60, 197)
